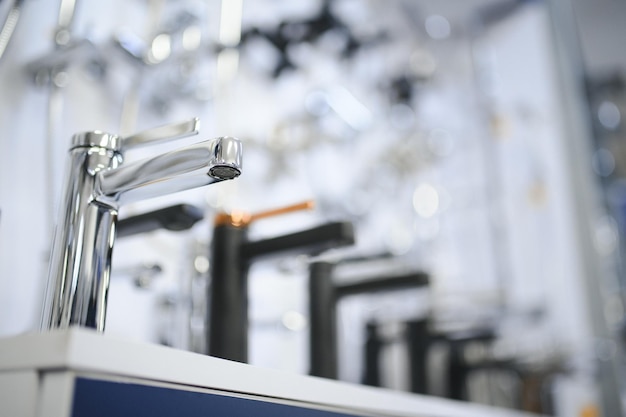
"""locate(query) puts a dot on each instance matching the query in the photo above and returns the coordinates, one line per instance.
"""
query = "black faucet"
(421, 337)
(324, 294)
(231, 256)
(174, 218)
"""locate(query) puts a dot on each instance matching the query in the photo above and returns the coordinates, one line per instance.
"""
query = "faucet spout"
(97, 184)
(194, 166)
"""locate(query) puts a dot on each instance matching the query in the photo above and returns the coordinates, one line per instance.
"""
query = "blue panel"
(97, 398)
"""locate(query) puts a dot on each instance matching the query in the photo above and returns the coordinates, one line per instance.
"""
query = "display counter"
(80, 372)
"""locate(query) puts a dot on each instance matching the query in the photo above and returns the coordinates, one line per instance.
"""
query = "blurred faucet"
(174, 218)
(324, 296)
(97, 185)
(232, 253)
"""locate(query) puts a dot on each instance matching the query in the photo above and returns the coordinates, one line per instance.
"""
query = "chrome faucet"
(97, 185)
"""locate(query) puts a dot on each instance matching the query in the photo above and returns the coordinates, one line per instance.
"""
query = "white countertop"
(84, 350)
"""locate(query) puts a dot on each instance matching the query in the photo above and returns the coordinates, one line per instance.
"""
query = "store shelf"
(78, 369)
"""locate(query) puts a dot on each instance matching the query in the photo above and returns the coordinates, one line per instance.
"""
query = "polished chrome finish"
(97, 184)
(163, 133)
(155, 135)
(79, 271)
(190, 167)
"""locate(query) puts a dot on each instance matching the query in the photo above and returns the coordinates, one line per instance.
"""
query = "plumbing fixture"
(421, 337)
(290, 33)
(174, 218)
(97, 184)
(470, 352)
(231, 256)
(324, 294)
(169, 62)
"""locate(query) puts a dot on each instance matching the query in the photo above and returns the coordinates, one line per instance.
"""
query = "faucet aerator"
(224, 172)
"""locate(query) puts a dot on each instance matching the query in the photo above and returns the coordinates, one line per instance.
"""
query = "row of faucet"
(466, 352)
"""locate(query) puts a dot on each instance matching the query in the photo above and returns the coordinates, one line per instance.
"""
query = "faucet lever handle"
(241, 219)
(164, 133)
(305, 205)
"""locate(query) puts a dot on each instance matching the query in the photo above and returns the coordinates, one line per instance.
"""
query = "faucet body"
(324, 295)
(232, 254)
(97, 184)
(79, 270)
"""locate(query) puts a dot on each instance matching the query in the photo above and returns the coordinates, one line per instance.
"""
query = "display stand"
(80, 372)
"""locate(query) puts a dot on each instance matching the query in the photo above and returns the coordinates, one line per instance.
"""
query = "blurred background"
(476, 146)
